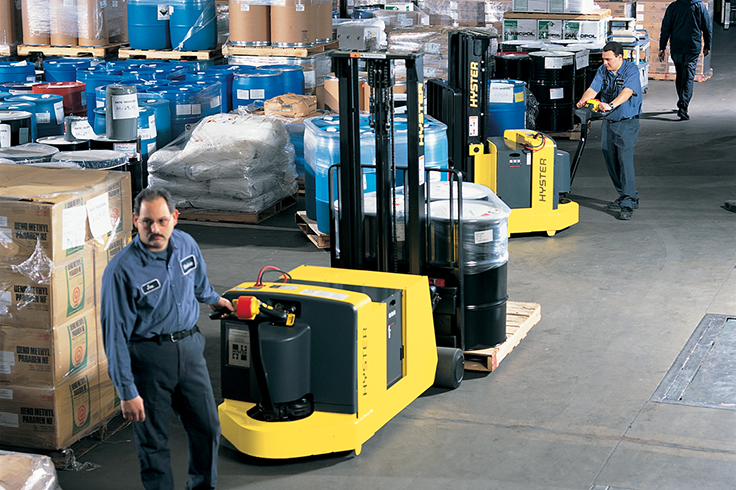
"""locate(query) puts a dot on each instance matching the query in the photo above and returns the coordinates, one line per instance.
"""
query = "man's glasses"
(162, 222)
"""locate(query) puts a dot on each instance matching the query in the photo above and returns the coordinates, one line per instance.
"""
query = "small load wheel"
(450, 368)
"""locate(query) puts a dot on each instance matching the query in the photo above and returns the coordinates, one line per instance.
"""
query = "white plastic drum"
(484, 237)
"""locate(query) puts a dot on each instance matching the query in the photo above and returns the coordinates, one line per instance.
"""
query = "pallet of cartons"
(520, 318)
(194, 214)
(107, 51)
(598, 14)
(309, 228)
(170, 54)
(8, 49)
(231, 50)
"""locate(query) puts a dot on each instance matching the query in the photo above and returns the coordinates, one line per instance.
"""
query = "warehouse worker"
(683, 23)
(149, 310)
(618, 87)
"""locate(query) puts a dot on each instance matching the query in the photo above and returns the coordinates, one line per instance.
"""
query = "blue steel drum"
(162, 113)
(256, 86)
(147, 130)
(234, 67)
(193, 25)
(225, 77)
(49, 112)
(211, 94)
(99, 125)
(24, 107)
(17, 71)
(292, 77)
(63, 69)
(148, 27)
(197, 65)
(186, 105)
(435, 147)
(119, 65)
(18, 88)
(506, 106)
(321, 151)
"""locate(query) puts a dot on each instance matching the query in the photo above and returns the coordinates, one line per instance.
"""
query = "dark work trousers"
(685, 65)
(173, 375)
(618, 140)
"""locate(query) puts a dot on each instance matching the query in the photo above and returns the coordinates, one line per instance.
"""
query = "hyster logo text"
(542, 180)
(474, 91)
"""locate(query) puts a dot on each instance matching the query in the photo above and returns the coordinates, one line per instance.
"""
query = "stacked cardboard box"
(649, 15)
(534, 26)
(58, 229)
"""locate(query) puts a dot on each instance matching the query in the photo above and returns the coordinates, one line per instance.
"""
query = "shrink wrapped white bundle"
(234, 163)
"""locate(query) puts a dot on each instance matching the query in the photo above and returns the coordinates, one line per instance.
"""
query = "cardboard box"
(520, 29)
(45, 357)
(585, 30)
(52, 207)
(291, 105)
(69, 291)
(332, 94)
(535, 6)
(50, 417)
(397, 19)
(549, 30)
(619, 9)
(103, 253)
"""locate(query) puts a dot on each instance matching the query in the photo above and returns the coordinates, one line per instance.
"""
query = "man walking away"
(683, 25)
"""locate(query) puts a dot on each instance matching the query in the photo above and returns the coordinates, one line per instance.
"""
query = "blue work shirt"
(608, 85)
(143, 296)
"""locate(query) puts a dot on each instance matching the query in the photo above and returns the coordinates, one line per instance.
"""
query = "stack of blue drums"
(186, 25)
(322, 150)
(49, 111)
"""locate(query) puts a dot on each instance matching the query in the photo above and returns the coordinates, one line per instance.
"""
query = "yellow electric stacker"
(523, 167)
(317, 362)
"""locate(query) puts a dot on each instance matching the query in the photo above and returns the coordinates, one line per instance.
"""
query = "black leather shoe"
(683, 115)
(626, 214)
(616, 205)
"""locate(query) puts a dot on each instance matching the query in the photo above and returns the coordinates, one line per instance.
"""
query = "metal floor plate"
(704, 373)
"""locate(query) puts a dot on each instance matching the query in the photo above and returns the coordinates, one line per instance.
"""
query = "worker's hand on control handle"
(222, 308)
(604, 107)
(133, 409)
(661, 55)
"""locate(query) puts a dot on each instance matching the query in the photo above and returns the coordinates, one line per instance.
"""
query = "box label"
(81, 404)
(75, 286)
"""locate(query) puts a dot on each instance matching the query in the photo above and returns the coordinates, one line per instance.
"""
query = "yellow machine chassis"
(323, 432)
(541, 216)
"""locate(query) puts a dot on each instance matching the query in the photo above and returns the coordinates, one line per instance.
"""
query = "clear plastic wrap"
(85, 23)
(21, 471)
(246, 163)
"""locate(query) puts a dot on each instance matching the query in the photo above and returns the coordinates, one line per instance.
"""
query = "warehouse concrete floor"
(582, 402)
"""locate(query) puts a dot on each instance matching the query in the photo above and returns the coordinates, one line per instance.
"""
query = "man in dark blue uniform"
(683, 24)
(618, 86)
(150, 304)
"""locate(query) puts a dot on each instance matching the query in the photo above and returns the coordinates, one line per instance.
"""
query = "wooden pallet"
(309, 227)
(66, 458)
(235, 217)
(573, 134)
(230, 50)
(71, 51)
(170, 54)
(699, 77)
(520, 318)
(597, 14)
(8, 49)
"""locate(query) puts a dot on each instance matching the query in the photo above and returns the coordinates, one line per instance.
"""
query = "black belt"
(170, 337)
(627, 118)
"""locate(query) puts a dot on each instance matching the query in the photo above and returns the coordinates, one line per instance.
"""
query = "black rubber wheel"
(450, 368)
